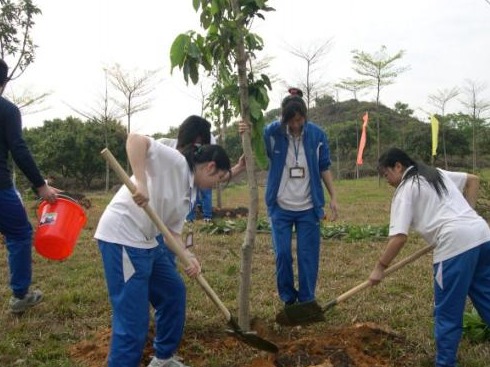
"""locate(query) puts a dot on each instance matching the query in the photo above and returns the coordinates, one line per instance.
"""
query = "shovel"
(310, 312)
(249, 338)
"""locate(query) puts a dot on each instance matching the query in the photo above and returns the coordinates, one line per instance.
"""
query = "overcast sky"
(446, 42)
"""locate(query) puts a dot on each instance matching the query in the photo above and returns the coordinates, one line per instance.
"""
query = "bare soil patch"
(238, 212)
(359, 345)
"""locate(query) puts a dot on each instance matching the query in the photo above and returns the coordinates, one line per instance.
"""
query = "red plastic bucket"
(59, 226)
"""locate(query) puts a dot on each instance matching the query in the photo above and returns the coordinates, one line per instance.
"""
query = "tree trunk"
(444, 147)
(107, 168)
(251, 232)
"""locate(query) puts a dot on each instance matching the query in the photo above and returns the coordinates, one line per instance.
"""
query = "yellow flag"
(435, 134)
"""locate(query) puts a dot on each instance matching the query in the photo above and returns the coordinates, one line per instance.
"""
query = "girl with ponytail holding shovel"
(138, 271)
(431, 201)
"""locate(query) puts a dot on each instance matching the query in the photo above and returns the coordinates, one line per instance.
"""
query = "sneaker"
(172, 362)
(20, 305)
(207, 220)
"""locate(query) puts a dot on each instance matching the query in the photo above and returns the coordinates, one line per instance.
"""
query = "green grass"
(76, 308)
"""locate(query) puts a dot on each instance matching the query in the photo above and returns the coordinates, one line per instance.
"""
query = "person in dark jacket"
(14, 223)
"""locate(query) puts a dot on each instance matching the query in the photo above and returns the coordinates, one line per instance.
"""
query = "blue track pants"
(467, 274)
(135, 279)
(17, 229)
(307, 251)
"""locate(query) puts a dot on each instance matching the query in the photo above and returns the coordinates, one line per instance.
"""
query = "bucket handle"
(63, 196)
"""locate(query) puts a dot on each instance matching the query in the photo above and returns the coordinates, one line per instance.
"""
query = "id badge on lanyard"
(297, 171)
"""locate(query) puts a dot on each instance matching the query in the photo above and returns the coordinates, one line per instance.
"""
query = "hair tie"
(198, 149)
(295, 92)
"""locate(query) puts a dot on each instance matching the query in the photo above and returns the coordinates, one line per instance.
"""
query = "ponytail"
(417, 169)
(195, 154)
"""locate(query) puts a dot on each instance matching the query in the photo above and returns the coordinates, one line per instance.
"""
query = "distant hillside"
(343, 123)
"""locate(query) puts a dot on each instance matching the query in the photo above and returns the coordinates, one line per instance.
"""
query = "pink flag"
(362, 143)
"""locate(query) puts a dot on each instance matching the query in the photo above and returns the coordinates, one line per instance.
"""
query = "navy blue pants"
(17, 229)
(307, 251)
(204, 198)
(467, 274)
(135, 279)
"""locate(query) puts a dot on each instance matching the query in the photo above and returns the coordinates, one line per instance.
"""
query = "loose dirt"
(359, 345)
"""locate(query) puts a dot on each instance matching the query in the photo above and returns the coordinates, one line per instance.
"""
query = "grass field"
(76, 308)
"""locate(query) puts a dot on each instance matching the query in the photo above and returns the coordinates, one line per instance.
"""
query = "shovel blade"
(250, 338)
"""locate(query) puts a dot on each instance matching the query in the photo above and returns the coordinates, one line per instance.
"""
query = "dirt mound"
(360, 345)
(93, 352)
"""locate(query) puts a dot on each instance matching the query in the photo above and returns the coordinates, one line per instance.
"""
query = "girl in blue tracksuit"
(139, 270)
(431, 201)
(299, 162)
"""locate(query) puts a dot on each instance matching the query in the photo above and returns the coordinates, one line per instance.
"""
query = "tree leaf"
(177, 50)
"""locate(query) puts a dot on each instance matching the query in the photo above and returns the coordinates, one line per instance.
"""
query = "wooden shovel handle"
(388, 271)
(170, 240)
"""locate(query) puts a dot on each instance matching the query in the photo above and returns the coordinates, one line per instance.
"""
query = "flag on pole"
(435, 134)
(362, 142)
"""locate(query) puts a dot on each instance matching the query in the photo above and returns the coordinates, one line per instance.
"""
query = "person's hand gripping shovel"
(311, 312)
(249, 338)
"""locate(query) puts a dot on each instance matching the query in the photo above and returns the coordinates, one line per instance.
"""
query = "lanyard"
(296, 148)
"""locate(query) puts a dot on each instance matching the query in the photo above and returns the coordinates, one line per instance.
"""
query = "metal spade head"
(251, 338)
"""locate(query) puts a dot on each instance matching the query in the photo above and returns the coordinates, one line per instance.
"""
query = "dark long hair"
(207, 153)
(192, 128)
(4, 70)
(433, 176)
(292, 105)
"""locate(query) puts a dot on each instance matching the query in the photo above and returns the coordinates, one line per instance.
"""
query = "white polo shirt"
(170, 187)
(172, 143)
(449, 222)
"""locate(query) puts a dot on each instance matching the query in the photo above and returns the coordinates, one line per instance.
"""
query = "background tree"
(218, 109)
(134, 90)
(103, 113)
(28, 101)
(476, 107)
(406, 113)
(440, 100)
(353, 85)
(313, 55)
(73, 152)
(16, 45)
(17, 48)
(379, 70)
(172, 133)
(224, 52)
